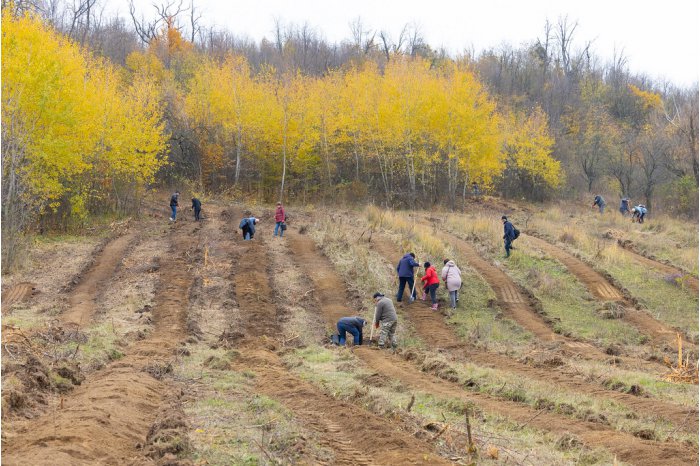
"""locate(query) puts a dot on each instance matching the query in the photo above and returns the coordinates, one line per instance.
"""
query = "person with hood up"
(406, 276)
(352, 325)
(508, 235)
(431, 284)
(452, 277)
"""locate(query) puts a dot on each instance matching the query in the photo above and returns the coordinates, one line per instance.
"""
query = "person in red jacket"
(280, 217)
(431, 282)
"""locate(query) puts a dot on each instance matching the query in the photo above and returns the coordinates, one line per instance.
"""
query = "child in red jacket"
(431, 282)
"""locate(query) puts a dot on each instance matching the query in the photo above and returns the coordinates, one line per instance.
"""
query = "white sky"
(659, 39)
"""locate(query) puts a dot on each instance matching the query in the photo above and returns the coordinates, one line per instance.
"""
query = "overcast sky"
(658, 38)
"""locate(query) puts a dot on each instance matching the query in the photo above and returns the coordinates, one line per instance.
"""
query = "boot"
(424, 296)
(435, 307)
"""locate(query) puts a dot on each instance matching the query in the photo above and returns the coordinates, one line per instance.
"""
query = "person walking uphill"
(406, 276)
(508, 235)
(385, 316)
(197, 207)
(452, 277)
(600, 202)
(352, 325)
(431, 284)
(173, 205)
(280, 218)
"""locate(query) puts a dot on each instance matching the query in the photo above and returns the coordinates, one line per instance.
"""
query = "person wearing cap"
(385, 317)
(452, 277)
(406, 276)
(431, 282)
(508, 234)
(280, 218)
(352, 325)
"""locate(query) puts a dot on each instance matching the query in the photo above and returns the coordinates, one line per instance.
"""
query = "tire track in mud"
(602, 289)
(17, 293)
(355, 435)
(327, 284)
(104, 419)
(437, 334)
(82, 300)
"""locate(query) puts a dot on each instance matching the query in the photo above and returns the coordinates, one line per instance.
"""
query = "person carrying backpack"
(432, 282)
(510, 233)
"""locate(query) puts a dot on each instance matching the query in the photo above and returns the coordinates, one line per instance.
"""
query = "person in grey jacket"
(351, 325)
(385, 316)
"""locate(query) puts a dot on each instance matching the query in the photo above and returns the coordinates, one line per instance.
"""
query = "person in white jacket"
(452, 277)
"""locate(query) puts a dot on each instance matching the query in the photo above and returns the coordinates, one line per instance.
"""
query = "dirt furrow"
(602, 289)
(105, 419)
(437, 334)
(355, 435)
(668, 270)
(327, 286)
(16, 293)
(82, 299)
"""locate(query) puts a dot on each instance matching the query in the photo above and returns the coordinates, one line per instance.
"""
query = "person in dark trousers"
(280, 218)
(624, 206)
(385, 316)
(406, 276)
(431, 284)
(247, 227)
(197, 207)
(352, 325)
(173, 205)
(508, 235)
(600, 202)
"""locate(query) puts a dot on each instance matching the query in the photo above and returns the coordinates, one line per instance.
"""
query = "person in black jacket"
(508, 235)
(173, 205)
(197, 207)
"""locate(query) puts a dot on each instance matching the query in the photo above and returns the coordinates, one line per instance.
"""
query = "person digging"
(385, 320)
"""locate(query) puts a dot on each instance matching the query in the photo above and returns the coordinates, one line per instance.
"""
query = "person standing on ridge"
(431, 284)
(406, 276)
(280, 218)
(452, 277)
(197, 207)
(600, 202)
(508, 235)
(173, 205)
(385, 316)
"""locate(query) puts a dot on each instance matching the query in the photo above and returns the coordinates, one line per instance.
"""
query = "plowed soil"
(16, 294)
(602, 289)
(82, 299)
(355, 435)
(437, 334)
(104, 420)
(328, 286)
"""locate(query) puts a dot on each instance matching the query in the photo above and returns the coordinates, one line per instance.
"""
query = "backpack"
(516, 233)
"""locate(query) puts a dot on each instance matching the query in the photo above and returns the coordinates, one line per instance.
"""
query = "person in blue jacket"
(406, 276)
(508, 235)
(625, 206)
(247, 227)
(600, 202)
(352, 325)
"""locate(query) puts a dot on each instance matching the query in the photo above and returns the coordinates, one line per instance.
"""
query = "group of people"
(450, 274)
(638, 212)
(174, 204)
(249, 221)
